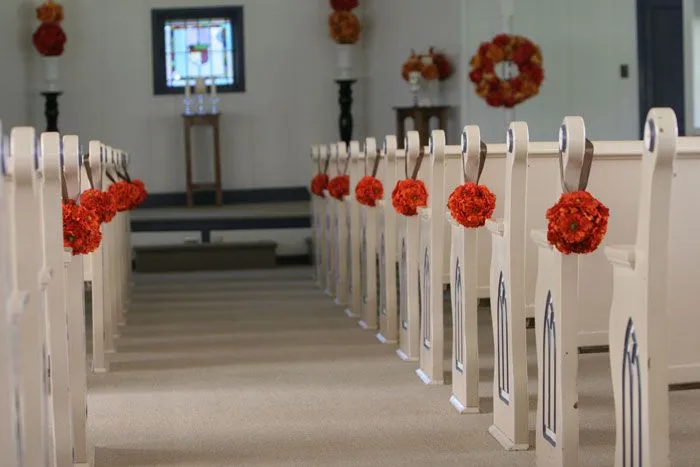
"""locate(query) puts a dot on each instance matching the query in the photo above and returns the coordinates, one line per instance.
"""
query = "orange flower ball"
(339, 187)
(369, 190)
(408, 196)
(577, 223)
(471, 204)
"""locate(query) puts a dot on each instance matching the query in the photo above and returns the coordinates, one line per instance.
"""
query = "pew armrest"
(67, 256)
(424, 213)
(381, 203)
(495, 226)
(540, 239)
(621, 255)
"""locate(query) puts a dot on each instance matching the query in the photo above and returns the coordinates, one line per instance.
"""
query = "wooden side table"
(421, 121)
(191, 121)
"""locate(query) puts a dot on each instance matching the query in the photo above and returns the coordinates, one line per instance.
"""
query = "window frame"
(159, 16)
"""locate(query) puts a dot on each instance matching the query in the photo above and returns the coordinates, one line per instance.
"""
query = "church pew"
(22, 194)
(408, 244)
(10, 306)
(369, 241)
(355, 166)
(319, 158)
(339, 166)
(512, 275)
(330, 224)
(568, 316)
(387, 235)
(653, 317)
(441, 174)
(469, 266)
(75, 311)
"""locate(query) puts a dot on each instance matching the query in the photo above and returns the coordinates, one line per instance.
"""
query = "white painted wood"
(102, 337)
(352, 208)
(654, 295)
(510, 280)
(470, 254)
(323, 225)
(331, 224)
(54, 297)
(441, 177)
(388, 245)
(341, 232)
(409, 266)
(9, 421)
(567, 316)
(369, 252)
(317, 215)
(75, 310)
(24, 206)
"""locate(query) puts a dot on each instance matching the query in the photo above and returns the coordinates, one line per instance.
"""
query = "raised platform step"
(206, 257)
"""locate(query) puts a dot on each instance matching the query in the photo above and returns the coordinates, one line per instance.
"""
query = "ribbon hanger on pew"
(375, 167)
(88, 169)
(419, 160)
(579, 168)
(469, 168)
(347, 164)
(125, 175)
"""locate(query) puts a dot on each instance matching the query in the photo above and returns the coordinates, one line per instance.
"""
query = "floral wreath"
(49, 38)
(507, 48)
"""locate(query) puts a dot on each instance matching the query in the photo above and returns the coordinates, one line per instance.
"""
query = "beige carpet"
(261, 369)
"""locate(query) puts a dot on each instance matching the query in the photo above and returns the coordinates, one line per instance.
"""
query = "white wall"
(291, 99)
(583, 43)
(266, 131)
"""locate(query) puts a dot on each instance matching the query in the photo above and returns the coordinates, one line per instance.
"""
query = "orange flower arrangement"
(507, 93)
(81, 229)
(49, 38)
(140, 194)
(368, 190)
(433, 65)
(577, 223)
(318, 184)
(123, 194)
(344, 27)
(339, 187)
(408, 196)
(471, 204)
(100, 202)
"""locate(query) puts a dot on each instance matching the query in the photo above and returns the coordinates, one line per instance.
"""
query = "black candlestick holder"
(51, 109)
(345, 121)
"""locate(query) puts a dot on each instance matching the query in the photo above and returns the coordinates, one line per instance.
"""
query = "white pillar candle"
(200, 87)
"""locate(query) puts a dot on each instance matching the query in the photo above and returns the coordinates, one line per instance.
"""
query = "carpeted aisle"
(261, 369)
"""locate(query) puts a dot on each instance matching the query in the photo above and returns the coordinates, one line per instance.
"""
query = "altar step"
(231, 237)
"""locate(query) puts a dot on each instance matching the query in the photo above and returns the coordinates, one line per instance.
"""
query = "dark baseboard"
(207, 198)
(294, 260)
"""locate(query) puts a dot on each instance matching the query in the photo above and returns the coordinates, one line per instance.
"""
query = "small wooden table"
(421, 121)
(191, 121)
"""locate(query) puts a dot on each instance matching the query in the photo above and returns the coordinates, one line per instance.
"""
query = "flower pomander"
(123, 194)
(368, 190)
(49, 12)
(471, 204)
(318, 184)
(140, 193)
(344, 27)
(408, 196)
(344, 5)
(339, 187)
(100, 202)
(81, 229)
(577, 223)
(49, 40)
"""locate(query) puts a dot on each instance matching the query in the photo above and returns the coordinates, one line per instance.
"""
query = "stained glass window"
(198, 43)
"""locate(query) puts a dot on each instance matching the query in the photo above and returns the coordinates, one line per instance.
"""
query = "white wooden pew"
(75, 309)
(409, 267)
(10, 306)
(574, 292)
(54, 299)
(318, 209)
(339, 166)
(369, 241)
(469, 266)
(355, 163)
(389, 271)
(653, 317)
(512, 277)
(22, 195)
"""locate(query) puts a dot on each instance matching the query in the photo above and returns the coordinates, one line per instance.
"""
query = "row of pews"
(43, 339)
(633, 297)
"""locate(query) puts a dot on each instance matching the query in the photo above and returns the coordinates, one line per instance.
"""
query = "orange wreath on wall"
(507, 92)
